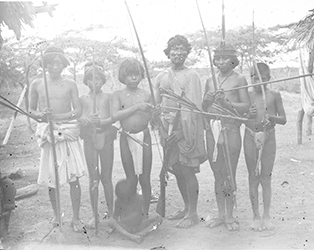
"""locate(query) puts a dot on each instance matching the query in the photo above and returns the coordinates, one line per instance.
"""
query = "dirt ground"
(292, 201)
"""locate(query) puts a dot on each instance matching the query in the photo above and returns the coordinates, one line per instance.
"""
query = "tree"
(79, 50)
(242, 39)
(15, 14)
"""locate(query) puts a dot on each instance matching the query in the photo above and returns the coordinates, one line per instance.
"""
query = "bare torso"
(137, 121)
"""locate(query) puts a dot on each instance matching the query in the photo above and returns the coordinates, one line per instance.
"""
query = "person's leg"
(75, 193)
(235, 144)
(106, 159)
(219, 183)
(127, 159)
(144, 178)
(250, 154)
(150, 224)
(191, 218)
(182, 186)
(268, 159)
(92, 165)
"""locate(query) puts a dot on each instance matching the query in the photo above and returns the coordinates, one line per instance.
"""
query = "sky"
(158, 20)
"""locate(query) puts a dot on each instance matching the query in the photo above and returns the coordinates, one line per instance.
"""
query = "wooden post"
(7, 135)
(299, 126)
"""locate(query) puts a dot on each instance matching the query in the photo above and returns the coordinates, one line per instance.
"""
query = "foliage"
(15, 58)
(13, 14)
(303, 31)
(80, 50)
(268, 43)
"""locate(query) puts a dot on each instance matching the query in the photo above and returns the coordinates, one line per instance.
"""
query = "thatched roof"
(15, 14)
(303, 31)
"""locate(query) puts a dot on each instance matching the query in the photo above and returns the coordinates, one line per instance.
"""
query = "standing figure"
(64, 109)
(223, 137)
(260, 144)
(132, 107)
(182, 132)
(98, 146)
(129, 217)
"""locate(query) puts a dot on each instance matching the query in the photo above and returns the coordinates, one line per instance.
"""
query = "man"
(182, 132)
(64, 109)
(219, 147)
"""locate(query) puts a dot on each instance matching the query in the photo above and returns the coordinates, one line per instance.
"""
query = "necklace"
(221, 83)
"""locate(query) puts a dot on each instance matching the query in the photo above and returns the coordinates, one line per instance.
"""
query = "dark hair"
(262, 67)
(130, 66)
(88, 72)
(227, 50)
(125, 189)
(177, 40)
(52, 52)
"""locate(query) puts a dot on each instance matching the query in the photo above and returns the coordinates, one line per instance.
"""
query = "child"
(260, 144)
(223, 136)
(131, 106)
(64, 109)
(105, 135)
(129, 218)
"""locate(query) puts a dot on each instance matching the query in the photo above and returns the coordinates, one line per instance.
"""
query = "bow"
(225, 148)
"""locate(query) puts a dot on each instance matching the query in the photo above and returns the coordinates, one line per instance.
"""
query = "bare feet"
(177, 215)
(137, 238)
(78, 226)
(256, 225)
(55, 222)
(91, 223)
(188, 221)
(232, 225)
(215, 222)
(267, 224)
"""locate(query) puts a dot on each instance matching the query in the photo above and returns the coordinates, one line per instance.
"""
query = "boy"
(260, 140)
(186, 137)
(105, 135)
(132, 107)
(129, 218)
(237, 102)
(64, 109)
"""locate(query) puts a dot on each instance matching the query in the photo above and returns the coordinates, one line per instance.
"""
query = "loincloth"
(216, 128)
(259, 138)
(136, 143)
(69, 153)
(102, 137)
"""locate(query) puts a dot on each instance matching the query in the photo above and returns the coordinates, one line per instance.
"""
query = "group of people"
(190, 137)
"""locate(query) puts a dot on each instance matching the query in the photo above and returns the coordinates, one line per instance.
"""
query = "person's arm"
(244, 103)
(33, 103)
(157, 89)
(106, 122)
(115, 224)
(280, 118)
(119, 113)
(84, 120)
(209, 96)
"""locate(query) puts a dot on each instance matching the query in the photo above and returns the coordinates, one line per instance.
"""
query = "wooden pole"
(225, 148)
(53, 145)
(95, 153)
(8, 133)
